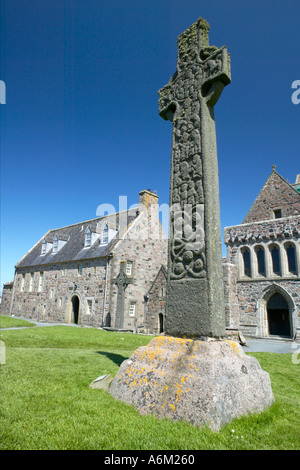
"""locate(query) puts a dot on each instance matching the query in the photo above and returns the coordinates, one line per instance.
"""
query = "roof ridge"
(93, 220)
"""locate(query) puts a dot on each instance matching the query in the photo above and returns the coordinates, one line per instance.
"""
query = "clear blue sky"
(80, 125)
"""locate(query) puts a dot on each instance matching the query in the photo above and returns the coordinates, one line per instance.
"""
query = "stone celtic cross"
(195, 298)
(122, 281)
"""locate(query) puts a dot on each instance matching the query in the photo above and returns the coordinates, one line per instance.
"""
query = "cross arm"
(166, 102)
(217, 75)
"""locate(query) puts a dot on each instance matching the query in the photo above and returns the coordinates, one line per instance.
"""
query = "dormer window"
(55, 244)
(44, 247)
(105, 235)
(88, 237)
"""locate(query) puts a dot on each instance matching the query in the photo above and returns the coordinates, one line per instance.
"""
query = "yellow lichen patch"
(178, 393)
(172, 407)
(233, 346)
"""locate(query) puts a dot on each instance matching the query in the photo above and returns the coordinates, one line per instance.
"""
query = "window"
(132, 309)
(22, 283)
(80, 268)
(129, 268)
(60, 302)
(260, 254)
(88, 237)
(246, 262)
(291, 258)
(275, 260)
(41, 282)
(105, 235)
(31, 282)
(277, 213)
(55, 244)
(51, 293)
(89, 305)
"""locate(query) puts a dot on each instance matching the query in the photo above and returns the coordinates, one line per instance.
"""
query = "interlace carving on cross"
(202, 73)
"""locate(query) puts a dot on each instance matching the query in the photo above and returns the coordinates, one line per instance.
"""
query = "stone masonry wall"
(50, 298)
(146, 247)
(52, 301)
(6, 298)
(275, 194)
(156, 303)
(247, 294)
(252, 304)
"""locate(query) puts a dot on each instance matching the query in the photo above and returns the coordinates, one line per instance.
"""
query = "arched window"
(260, 255)
(246, 262)
(291, 258)
(275, 254)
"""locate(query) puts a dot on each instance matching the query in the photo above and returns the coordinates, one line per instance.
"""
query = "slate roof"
(74, 235)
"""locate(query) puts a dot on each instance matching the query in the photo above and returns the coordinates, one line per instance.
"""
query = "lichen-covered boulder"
(203, 382)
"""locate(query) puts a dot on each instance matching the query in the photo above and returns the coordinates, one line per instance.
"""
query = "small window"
(277, 214)
(41, 282)
(31, 282)
(129, 268)
(22, 283)
(89, 305)
(51, 293)
(60, 302)
(80, 268)
(132, 309)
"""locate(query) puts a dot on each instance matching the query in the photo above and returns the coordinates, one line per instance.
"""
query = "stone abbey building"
(94, 273)
(99, 274)
(262, 267)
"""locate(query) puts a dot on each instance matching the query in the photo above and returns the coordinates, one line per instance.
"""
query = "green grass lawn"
(46, 402)
(11, 322)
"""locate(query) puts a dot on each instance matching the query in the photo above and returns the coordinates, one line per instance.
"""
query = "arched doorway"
(75, 309)
(160, 323)
(278, 313)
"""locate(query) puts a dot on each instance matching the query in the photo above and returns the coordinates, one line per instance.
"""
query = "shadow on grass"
(116, 358)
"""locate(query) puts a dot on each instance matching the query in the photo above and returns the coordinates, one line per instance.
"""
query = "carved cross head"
(202, 71)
